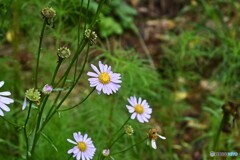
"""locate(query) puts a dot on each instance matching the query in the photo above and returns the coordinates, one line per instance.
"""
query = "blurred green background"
(182, 56)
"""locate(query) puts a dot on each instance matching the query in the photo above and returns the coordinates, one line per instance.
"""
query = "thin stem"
(115, 134)
(25, 129)
(224, 119)
(131, 146)
(14, 124)
(56, 70)
(94, 21)
(50, 114)
(116, 140)
(39, 51)
(79, 102)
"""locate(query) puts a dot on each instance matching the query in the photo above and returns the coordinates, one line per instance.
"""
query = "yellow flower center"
(104, 78)
(82, 146)
(139, 109)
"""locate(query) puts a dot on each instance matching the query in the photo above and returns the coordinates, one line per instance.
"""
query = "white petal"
(154, 146)
(130, 109)
(101, 66)
(24, 103)
(139, 100)
(92, 74)
(95, 69)
(105, 68)
(79, 155)
(1, 113)
(139, 117)
(1, 83)
(133, 115)
(71, 141)
(99, 87)
(4, 107)
(6, 100)
(161, 137)
(6, 93)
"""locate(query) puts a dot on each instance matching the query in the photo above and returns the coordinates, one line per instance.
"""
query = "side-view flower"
(152, 137)
(4, 100)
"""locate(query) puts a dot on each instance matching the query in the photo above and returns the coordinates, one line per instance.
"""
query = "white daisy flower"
(139, 109)
(84, 148)
(153, 136)
(4, 100)
(104, 79)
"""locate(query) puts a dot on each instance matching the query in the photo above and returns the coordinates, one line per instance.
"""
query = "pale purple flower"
(139, 109)
(106, 152)
(84, 148)
(4, 100)
(47, 89)
(104, 79)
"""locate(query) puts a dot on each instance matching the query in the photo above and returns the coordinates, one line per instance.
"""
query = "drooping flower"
(84, 148)
(4, 100)
(104, 79)
(139, 109)
(153, 136)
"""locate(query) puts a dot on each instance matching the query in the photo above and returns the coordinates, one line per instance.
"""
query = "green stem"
(25, 130)
(43, 104)
(224, 119)
(116, 140)
(94, 21)
(56, 70)
(79, 102)
(14, 124)
(50, 114)
(131, 146)
(39, 51)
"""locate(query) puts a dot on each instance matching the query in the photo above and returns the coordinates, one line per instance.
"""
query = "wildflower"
(153, 136)
(84, 148)
(106, 152)
(47, 89)
(63, 52)
(128, 130)
(32, 95)
(104, 79)
(4, 100)
(139, 109)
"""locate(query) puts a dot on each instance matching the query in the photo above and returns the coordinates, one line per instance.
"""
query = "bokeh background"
(183, 56)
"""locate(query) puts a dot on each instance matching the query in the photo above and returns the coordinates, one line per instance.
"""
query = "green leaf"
(49, 140)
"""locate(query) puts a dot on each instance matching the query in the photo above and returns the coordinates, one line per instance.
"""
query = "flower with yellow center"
(84, 148)
(139, 108)
(104, 79)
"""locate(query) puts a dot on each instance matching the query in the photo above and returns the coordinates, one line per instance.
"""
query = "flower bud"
(63, 52)
(89, 34)
(47, 89)
(128, 130)
(33, 95)
(106, 152)
(48, 13)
